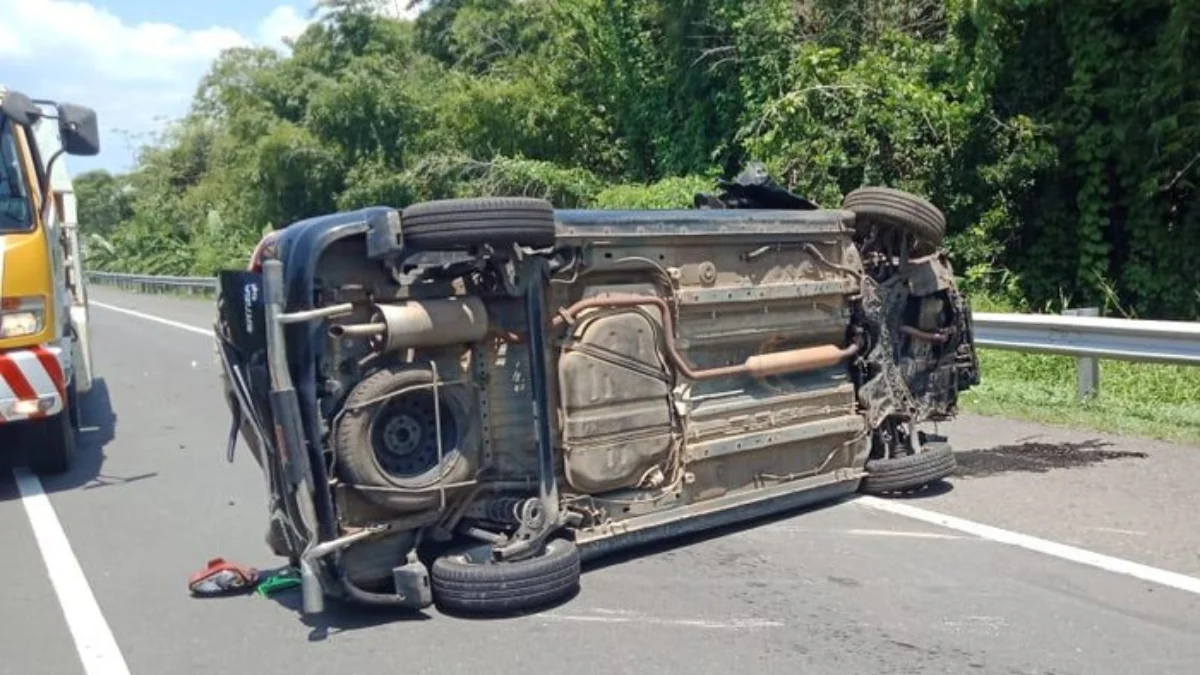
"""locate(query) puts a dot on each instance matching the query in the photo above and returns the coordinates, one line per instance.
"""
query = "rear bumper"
(32, 383)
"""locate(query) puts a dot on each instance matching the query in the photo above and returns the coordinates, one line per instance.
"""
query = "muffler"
(421, 323)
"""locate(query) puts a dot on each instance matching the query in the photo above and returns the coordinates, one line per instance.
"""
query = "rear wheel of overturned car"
(388, 437)
(465, 224)
(909, 473)
(470, 582)
(897, 210)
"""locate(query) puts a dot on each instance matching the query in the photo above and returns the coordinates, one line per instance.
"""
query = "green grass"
(1140, 399)
(1150, 400)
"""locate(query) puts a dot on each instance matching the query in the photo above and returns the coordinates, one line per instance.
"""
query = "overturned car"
(460, 401)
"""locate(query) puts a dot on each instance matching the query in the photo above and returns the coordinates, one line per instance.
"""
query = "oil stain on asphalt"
(1034, 457)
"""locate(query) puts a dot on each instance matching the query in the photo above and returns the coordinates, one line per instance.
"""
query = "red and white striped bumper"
(32, 384)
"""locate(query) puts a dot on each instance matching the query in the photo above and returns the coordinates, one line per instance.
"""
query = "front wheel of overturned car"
(464, 224)
(897, 210)
(897, 475)
(470, 582)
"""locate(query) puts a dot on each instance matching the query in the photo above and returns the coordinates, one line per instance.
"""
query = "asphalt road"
(855, 587)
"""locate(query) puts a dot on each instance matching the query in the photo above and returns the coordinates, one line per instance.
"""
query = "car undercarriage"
(462, 401)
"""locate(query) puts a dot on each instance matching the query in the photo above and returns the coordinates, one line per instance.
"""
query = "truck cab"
(45, 356)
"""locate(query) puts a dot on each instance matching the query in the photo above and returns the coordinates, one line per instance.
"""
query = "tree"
(103, 201)
(1059, 136)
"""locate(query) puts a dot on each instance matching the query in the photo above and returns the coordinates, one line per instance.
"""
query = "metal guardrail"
(1082, 333)
(1078, 333)
(1092, 336)
(145, 283)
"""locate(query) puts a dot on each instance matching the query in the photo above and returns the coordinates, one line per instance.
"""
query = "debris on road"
(283, 579)
(222, 578)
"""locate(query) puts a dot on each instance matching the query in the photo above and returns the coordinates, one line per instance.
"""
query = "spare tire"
(388, 437)
(461, 224)
(890, 208)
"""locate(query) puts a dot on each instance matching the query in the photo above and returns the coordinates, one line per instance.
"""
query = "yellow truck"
(45, 354)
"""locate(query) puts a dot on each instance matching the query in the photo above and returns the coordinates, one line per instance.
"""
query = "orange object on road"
(220, 577)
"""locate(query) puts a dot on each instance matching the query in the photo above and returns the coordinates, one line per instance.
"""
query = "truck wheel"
(463, 224)
(72, 404)
(911, 472)
(904, 211)
(54, 448)
(471, 582)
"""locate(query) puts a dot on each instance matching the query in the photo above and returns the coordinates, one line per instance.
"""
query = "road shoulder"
(1121, 496)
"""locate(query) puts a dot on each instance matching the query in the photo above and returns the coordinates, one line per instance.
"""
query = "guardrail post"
(1087, 370)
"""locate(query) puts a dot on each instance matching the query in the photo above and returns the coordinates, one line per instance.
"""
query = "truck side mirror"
(78, 129)
(20, 109)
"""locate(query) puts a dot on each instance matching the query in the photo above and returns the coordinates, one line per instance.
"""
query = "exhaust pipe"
(798, 360)
(310, 585)
(421, 323)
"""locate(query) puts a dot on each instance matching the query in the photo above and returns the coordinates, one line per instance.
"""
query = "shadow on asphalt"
(1035, 457)
(936, 489)
(683, 541)
(98, 427)
(341, 617)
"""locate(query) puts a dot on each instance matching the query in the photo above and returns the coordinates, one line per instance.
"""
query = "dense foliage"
(1061, 137)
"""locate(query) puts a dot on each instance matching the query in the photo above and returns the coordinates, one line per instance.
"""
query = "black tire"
(463, 224)
(471, 583)
(53, 449)
(911, 472)
(73, 405)
(406, 442)
(889, 208)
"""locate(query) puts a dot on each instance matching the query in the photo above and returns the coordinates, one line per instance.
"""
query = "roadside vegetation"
(1152, 401)
(1140, 399)
(1060, 137)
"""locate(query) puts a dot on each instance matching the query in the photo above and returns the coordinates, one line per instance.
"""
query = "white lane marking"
(712, 624)
(915, 535)
(1117, 530)
(150, 317)
(94, 640)
(1082, 556)
(859, 532)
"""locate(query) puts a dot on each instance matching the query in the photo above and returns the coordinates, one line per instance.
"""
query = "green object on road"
(279, 581)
